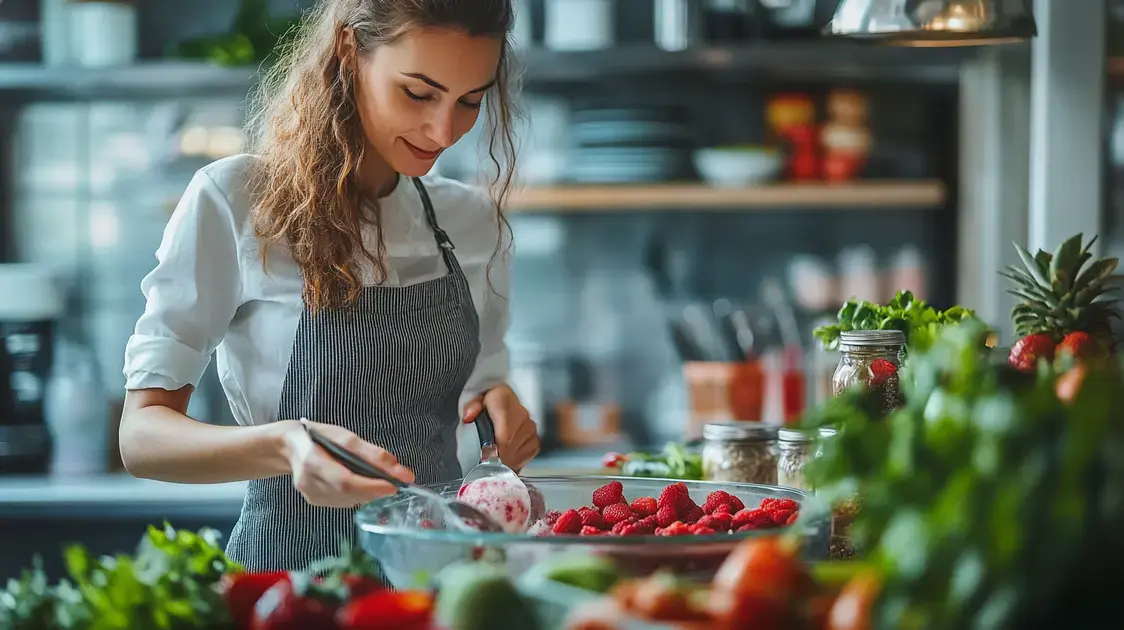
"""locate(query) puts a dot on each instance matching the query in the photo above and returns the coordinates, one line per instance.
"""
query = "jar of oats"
(742, 452)
(872, 358)
(795, 449)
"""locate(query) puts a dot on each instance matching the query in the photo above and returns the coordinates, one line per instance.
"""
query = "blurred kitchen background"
(701, 181)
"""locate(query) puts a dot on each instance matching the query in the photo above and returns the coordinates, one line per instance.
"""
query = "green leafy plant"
(987, 501)
(674, 462)
(919, 321)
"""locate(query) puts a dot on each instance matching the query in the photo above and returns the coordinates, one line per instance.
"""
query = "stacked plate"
(629, 146)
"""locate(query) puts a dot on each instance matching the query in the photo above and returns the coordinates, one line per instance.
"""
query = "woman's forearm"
(158, 442)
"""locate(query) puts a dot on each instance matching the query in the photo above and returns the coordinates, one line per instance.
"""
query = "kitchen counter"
(114, 495)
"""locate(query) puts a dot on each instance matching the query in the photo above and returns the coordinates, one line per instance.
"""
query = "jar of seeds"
(743, 452)
(872, 358)
(795, 449)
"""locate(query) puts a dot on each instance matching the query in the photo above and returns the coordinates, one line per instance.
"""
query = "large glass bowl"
(411, 544)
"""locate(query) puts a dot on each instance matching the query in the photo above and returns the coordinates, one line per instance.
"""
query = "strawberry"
(588, 530)
(780, 504)
(881, 371)
(754, 519)
(724, 509)
(678, 528)
(666, 515)
(627, 529)
(792, 519)
(699, 530)
(243, 590)
(719, 521)
(592, 518)
(609, 494)
(406, 610)
(735, 505)
(692, 514)
(295, 604)
(569, 523)
(552, 517)
(644, 506)
(780, 517)
(714, 499)
(617, 513)
(1081, 346)
(675, 495)
(1028, 350)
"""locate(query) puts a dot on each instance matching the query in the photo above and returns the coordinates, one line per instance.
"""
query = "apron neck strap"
(431, 217)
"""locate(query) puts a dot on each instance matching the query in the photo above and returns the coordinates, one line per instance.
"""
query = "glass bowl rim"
(808, 505)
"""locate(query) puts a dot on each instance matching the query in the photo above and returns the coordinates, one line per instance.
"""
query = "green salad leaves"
(919, 321)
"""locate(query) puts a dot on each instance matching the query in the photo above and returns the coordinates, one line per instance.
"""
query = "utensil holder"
(723, 391)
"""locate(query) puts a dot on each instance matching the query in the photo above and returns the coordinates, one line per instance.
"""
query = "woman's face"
(419, 95)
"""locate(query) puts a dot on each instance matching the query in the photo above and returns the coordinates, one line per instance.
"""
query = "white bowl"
(736, 167)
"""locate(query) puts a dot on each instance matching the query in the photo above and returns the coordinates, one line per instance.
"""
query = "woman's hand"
(516, 435)
(323, 481)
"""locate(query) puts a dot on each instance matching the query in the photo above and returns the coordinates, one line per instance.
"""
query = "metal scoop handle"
(351, 461)
(486, 428)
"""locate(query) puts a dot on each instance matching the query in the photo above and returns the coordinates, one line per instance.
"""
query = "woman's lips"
(422, 154)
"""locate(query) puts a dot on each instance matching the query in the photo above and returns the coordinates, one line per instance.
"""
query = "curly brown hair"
(307, 132)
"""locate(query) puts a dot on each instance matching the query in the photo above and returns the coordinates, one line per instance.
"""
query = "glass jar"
(795, 447)
(872, 358)
(743, 452)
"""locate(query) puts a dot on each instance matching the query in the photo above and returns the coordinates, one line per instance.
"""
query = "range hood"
(934, 23)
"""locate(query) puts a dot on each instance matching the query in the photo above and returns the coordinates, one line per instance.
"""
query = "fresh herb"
(170, 583)
(919, 321)
(674, 462)
(988, 501)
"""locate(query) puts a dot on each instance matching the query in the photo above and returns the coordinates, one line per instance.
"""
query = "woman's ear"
(346, 46)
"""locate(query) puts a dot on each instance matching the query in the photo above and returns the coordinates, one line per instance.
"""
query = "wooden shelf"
(873, 195)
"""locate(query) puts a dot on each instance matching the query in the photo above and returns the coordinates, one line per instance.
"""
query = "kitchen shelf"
(873, 195)
(816, 59)
(158, 78)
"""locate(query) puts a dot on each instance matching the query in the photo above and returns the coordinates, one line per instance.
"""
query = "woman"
(340, 289)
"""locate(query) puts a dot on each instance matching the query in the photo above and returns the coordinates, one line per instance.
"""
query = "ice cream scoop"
(492, 487)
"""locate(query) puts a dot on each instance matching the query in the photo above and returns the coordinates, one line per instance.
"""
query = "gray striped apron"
(391, 369)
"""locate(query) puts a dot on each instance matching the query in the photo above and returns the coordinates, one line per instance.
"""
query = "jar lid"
(872, 338)
(739, 431)
(828, 432)
(794, 435)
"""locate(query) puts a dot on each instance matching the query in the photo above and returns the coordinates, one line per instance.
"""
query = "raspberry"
(678, 528)
(792, 519)
(692, 514)
(630, 529)
(675, 495)
(698, 530)
(666, 515)
(753, 519)
(592, 518)
(608, 494)
(881, 371)
(617, 513)
(644, 506)
(569, 523)
(780, 517)
(591, 531)
(552, 517)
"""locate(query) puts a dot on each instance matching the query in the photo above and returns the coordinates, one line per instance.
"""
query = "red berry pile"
(673, 513)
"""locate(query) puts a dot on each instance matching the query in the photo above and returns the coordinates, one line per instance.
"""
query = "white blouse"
(210, 292)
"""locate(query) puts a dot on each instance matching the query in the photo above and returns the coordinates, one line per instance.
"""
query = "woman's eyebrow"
(434, 84)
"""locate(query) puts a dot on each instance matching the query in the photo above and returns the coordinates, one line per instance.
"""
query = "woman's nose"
(441, 127)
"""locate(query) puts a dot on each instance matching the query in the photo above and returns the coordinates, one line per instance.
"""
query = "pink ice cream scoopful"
(507, 502)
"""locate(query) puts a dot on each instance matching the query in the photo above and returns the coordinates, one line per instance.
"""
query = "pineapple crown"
(1063, 292)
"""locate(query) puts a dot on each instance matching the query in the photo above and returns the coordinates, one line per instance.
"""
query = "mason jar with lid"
(744, 452)
(872, 358)
(795, 449)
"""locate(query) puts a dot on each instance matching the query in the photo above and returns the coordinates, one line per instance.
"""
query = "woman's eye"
(415, 97)
(473, 106)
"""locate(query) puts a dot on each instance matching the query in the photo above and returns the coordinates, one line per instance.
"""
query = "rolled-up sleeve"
(191, 295)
